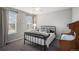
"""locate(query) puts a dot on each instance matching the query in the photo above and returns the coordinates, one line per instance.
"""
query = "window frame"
(15, 23)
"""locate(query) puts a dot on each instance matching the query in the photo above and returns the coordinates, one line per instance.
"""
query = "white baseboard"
(14, 40)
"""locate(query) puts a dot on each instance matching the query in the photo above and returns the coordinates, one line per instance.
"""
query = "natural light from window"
(12, 17)
(29, 20)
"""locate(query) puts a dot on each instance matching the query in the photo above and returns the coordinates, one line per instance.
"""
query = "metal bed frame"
(39, 36)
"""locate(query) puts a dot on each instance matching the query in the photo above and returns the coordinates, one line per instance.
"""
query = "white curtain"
(4, 25)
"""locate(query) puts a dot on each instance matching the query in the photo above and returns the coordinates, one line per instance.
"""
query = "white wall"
(75, 14)
(60, 19)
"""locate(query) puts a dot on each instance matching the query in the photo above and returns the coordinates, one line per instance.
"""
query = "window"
(12, 17)
(29, 19)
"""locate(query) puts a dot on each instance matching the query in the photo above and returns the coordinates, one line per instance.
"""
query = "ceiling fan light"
(37, 9)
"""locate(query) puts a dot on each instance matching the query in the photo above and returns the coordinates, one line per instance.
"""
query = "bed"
(44, 36)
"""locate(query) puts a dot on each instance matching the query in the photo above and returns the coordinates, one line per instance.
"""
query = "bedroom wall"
(75, 14)
(21, 27)
(60, 19)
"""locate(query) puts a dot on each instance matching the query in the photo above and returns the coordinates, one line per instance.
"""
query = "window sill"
(12, 33)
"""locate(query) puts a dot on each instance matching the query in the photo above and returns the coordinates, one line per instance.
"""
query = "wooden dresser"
(66, 45)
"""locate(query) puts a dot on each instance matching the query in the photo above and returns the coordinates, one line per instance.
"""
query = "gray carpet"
(19, 46)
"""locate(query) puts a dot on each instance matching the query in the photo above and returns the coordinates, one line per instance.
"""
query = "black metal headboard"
(47, 28)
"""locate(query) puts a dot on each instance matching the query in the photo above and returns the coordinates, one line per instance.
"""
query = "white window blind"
(12, 22)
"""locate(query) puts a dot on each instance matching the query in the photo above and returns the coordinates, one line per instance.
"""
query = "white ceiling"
(43, 10)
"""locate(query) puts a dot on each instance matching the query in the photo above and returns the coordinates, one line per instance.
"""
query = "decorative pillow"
(48, 30)
(51, 31)
(43, 30)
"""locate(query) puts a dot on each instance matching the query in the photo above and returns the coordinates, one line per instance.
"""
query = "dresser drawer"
(66, 45)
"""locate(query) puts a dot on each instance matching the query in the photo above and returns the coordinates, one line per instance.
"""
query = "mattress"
(41, 41)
